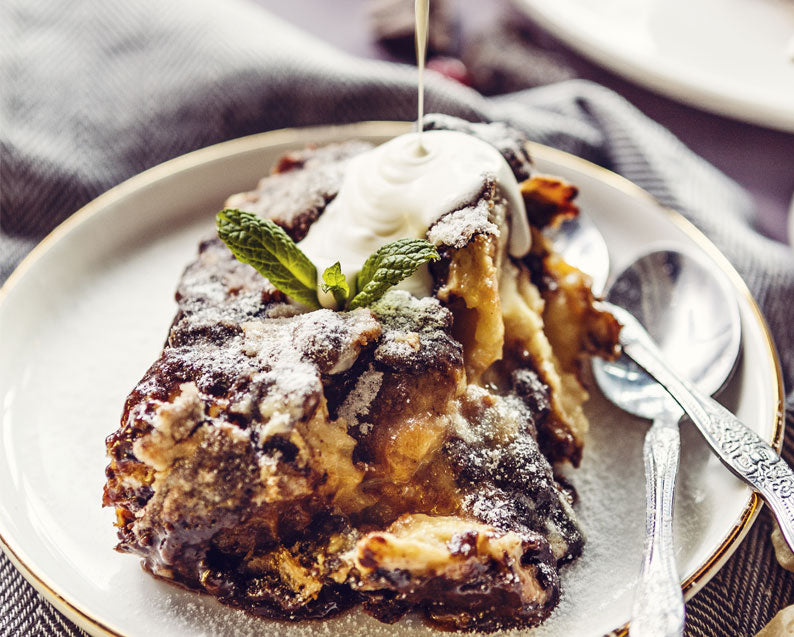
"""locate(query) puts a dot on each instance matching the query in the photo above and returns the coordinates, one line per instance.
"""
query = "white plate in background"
(731, 57)
(86, 314)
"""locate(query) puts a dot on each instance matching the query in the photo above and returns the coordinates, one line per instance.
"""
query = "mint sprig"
(265, 246)
(389, 265)
(336, 283)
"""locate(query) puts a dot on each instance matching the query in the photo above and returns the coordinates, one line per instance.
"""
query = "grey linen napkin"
(93, 92)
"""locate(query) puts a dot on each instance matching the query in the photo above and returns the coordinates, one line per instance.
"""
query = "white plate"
(86, 314)
(731, 57)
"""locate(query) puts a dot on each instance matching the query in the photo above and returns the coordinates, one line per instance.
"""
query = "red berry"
(452, 68)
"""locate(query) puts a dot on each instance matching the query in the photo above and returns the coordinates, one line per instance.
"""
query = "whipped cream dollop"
(401, 188)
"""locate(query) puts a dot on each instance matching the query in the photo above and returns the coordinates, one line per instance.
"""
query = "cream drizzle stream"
(422, 15)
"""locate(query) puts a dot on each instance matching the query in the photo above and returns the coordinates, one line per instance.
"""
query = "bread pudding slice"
(295, 463)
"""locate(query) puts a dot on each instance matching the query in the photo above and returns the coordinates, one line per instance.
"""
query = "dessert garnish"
(264, 245)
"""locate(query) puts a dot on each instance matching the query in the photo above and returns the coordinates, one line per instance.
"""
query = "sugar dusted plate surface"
(86, 314)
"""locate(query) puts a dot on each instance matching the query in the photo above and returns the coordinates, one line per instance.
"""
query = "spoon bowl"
(582, 245)
(687, 306)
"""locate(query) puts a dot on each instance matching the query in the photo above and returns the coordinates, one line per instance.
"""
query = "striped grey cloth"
(93, 92)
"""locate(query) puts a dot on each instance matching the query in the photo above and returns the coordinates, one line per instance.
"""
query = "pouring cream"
(422, 16)
(395, 191)
(401, 188)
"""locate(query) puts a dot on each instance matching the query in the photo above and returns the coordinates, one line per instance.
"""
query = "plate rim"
(295, 135)
(665, 81)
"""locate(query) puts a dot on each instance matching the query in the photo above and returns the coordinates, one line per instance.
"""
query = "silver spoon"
(737, 446)
(582, 245)
(692, 315)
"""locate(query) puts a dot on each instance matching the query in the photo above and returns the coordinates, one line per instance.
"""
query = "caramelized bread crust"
(294, 464)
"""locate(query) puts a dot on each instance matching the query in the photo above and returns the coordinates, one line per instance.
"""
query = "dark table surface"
(760, 159)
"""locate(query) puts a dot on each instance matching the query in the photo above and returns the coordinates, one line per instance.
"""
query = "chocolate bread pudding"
(400, 456)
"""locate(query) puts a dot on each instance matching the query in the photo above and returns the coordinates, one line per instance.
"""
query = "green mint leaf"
(336, 283)
(265, 246)
(389, 265)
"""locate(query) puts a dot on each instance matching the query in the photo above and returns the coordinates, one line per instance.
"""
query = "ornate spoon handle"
(658, 608)
(739, 448)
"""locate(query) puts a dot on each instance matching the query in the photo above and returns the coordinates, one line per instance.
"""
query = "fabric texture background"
(94, 92)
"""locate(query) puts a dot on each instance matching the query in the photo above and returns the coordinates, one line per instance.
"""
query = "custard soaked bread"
(294, 463)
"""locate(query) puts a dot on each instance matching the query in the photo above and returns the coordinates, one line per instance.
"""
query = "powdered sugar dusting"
(416, 333)
(458, 227)
(294, 351)
(512, 483)
(358, 401)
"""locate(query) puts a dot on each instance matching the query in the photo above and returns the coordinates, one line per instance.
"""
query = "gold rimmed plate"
(85, 315)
